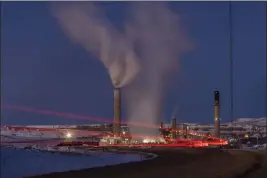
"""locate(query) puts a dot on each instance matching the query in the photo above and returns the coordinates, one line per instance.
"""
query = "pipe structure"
(217, 114)
(161, 125)
(117, 112)
(173, 124)
(185, 131)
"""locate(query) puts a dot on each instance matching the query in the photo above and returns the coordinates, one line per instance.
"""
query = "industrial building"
(240, 127)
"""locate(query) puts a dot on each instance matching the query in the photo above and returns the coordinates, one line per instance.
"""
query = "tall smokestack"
(217, 113)
(117, 112)
(173, 123)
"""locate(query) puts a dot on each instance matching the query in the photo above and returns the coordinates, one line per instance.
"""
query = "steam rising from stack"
(86, 25)
(144, 57)
(157, 34)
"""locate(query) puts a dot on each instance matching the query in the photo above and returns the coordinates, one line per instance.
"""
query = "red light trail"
(76, 116)
(70, 115)
(57, 142)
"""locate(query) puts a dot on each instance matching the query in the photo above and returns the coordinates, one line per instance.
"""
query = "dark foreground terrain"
(260, 173)
(171, 162)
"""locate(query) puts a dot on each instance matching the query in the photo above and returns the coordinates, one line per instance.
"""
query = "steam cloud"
(87, 26)
(160, 40)
(144, 57)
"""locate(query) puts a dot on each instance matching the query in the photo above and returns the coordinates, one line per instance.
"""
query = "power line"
(266, 75)
(231, 63)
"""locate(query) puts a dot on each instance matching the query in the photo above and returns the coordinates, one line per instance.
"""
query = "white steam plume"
(159, 39)
(85, 25)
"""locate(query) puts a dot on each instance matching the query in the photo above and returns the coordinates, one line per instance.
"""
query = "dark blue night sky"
(42, 68)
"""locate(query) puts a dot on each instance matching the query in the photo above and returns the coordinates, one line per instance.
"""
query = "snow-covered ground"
(42, 132)
(251, 121)
(17, 163)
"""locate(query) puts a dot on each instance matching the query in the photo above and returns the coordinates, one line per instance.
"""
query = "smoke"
(145, 57)
(86, 25)
(160, 40)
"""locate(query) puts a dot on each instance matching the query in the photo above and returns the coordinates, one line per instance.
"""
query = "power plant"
(217, 114)
(173, 125)
(117, 112)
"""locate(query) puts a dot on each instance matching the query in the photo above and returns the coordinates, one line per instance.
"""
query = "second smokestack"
(117, 112)
(217, 113)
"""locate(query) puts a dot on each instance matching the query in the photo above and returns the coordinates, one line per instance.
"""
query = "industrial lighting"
(149, 141)
(68, 135)
(145, 141)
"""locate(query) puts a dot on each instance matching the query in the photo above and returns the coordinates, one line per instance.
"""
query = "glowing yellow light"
(68, 135)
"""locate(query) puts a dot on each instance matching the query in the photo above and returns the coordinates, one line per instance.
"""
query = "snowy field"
(16, 163)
